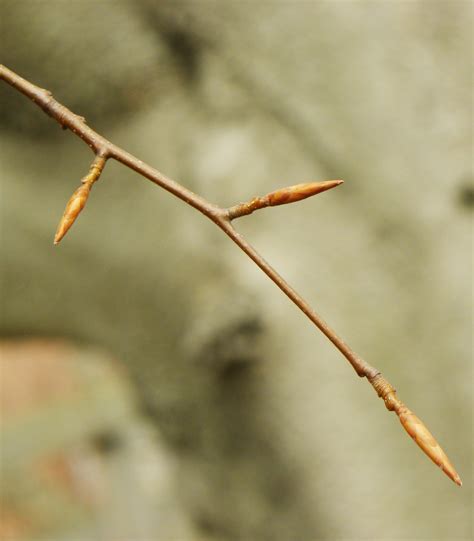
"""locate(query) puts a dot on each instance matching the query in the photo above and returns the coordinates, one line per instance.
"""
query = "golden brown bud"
(415, 427)
(79, 198)
(426, 441)
(291, 194)
(74, 206)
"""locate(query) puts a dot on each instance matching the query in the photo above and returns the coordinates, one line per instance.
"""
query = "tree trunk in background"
(273, 435)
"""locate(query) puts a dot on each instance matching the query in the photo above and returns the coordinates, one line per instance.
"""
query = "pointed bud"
(415, 427)
(298, 192)
(290, 194)
(74, 206)
(79, 198)
(425, 440)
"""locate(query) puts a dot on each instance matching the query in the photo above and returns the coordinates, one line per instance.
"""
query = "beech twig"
(222, 217)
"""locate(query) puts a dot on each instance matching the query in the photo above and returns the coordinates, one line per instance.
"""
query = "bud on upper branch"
(79, 198)
(299, 192)
(290, 194)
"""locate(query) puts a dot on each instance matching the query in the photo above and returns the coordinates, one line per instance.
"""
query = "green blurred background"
(155, 385)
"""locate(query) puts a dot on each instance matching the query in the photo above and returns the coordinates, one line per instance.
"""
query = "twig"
(222, 217)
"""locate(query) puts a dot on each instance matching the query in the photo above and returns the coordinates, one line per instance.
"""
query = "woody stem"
(104, 149)
(362, 368)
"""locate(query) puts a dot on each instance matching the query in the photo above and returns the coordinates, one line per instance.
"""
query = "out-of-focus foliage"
(274, 436)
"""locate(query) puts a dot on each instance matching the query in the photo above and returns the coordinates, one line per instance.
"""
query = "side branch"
(104, 149)
(101, 146)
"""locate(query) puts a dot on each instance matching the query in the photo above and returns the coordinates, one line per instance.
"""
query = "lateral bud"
(291, 194)
(283, 196)
(415, 427)
(79, 198)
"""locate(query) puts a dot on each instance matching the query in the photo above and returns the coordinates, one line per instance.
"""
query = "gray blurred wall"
(274, 435)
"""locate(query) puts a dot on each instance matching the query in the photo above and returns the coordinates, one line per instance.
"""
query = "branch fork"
(222, 217)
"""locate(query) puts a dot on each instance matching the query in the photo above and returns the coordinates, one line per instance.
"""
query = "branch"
(222, 217)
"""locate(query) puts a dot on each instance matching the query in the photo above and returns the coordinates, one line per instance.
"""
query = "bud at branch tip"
(415, 427)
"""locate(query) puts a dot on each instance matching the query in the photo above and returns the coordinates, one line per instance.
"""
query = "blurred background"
(155, 385)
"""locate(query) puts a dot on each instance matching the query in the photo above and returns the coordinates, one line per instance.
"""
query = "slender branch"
(222, 217)
(99, 144)
(362, 368)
